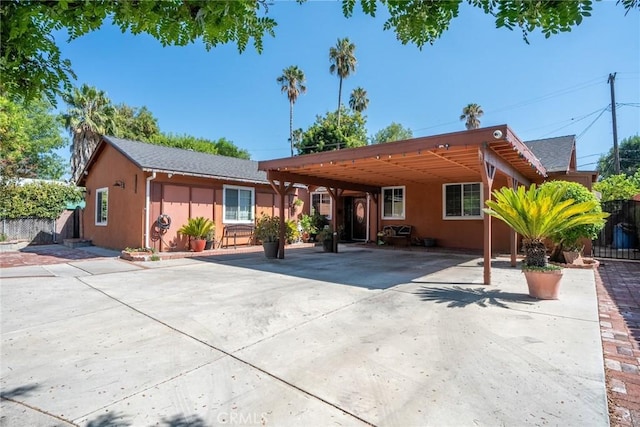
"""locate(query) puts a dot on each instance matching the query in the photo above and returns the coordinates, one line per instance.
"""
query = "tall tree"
(358, 100)
(31, 62)
(292, 82)
(629, 150)
(30, 134)
(343, 63)
(471, 114)
(324, 135)
(89, 115)
(138, 124)
(393, 132)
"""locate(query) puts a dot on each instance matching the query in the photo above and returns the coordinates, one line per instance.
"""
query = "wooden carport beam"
(321, 182)
(487, 155)
(282, 189)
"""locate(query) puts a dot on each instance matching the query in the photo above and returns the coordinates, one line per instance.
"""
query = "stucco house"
(436, 184)
(130, 184)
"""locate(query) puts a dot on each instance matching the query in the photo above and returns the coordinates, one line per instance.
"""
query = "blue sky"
(551, 87)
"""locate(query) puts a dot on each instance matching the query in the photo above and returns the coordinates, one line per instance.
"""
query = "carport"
(467, 156)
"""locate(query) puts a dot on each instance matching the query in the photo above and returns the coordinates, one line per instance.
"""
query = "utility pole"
(616, 152)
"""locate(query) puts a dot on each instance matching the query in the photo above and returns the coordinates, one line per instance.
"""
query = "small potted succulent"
(210, 240)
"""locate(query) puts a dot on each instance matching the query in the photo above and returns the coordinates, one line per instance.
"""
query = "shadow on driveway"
(367, 268)
(459, 297)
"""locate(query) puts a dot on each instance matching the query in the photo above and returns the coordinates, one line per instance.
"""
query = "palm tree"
(89, 115)
(343, 63)
(359, 101)
(472, 113)
(292, 82)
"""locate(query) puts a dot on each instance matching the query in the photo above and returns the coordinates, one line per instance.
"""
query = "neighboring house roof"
(555, 154)
(151, 157)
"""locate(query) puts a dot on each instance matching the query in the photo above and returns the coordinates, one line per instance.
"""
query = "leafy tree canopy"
(31, 63)
(618, 187)
(138, 124)
(629, 153)
(30, 134)
(222, 146)
(324, 134)
(36, 200)
(393, 132)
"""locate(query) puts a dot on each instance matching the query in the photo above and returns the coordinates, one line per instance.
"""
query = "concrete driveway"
(363, 337)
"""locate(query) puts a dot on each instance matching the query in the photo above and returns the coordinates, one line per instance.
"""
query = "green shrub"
(569, 239)
(37, 200)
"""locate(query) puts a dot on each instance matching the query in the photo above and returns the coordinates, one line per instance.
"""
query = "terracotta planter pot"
(572, 258)
(543, 284)
(197, 245)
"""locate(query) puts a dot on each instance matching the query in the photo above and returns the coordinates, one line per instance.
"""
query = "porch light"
(119, 183)
(443, 146)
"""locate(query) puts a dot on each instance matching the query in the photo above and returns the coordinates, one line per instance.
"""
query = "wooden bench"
(399, 235)
(244, 232)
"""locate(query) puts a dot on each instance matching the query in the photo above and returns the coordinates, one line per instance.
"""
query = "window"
(462, 201)
(238, 204)
(102, 205)
(321, 202)
(393, 203)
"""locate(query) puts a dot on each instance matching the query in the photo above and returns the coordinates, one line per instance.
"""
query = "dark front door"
(359, 221)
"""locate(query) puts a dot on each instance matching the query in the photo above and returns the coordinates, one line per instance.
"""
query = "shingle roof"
(554, 153)
(176, 160)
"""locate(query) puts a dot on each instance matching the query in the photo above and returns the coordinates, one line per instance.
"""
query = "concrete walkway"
(363, 337)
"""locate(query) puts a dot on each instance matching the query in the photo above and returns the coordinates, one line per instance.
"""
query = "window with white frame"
(239, 204)
(102, 205)
(462, 201)
(393, 202)
(321, 203)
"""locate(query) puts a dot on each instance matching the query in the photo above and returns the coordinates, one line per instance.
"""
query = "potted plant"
(308, 227)
(209, 240)
(568, 243)
(537, 214)
(268, 232)
(197, 229)
(326, 237)
(318, 221)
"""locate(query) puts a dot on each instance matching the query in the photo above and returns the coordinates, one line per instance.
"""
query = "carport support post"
(513, 235)
(282, 189)
(488, 173)
(335, 194)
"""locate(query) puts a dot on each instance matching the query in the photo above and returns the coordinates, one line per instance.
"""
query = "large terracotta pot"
(197, 245)
(543, 284)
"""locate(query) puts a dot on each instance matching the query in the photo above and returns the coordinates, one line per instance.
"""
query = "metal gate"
(620, 237)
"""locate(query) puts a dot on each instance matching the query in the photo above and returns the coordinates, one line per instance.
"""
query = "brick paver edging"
(618, 290)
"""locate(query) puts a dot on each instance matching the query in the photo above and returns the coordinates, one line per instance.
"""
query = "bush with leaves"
(618, 187)
(569, 239)
(36, 200)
